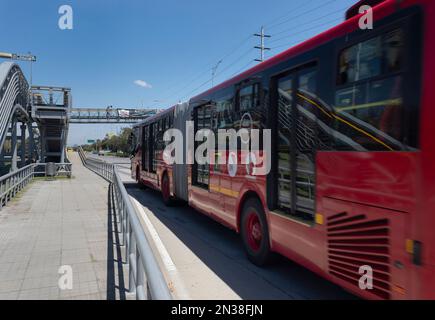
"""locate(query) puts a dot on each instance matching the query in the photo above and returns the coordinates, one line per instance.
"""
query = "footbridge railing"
(14, 105)
(146, 279)
(110, 115)
(14, 92)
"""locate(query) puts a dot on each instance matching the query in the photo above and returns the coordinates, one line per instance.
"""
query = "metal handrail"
(14, 182)
(13, 92)
(104, 169)
(146, 279)
(62, 169)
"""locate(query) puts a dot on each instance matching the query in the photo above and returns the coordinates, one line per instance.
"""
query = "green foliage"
(118, 144)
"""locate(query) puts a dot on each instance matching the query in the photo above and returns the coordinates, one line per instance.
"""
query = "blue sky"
(172, 45)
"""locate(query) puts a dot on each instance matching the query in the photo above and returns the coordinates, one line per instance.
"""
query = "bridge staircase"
(50, 110)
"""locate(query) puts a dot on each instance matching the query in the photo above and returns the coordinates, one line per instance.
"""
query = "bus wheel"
(254, 232)
(166, 191)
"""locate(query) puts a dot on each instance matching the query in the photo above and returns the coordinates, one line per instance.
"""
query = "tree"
(124, 138)
(114, 143)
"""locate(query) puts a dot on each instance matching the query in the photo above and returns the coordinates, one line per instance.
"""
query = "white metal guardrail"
(61, 169)
(102, 168)
(146, 279)
(14, 182)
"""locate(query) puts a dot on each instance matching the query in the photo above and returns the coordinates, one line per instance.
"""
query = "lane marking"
(163, 252)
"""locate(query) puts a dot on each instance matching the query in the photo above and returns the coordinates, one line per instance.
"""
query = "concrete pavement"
(63, 222)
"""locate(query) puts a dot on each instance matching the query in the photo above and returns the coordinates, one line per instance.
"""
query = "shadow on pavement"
(113, 246)
(222, 251)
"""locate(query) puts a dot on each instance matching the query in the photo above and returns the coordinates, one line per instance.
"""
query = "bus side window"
(249, 98)
(224, 116)
(225, 110)
(369, 97)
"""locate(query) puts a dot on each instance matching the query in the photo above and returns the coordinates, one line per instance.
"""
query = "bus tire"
(255, 233)
(166, 191)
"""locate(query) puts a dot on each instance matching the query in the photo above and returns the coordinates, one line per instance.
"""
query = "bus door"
(151, 145)
(145, 149)
(296, 99)
(216, 168)
(228, 120)
(204, 176)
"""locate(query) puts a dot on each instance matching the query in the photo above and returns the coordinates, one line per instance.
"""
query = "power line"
(228, 54)
(189, 84)
(261, 47)
(290, 44)
(213, 72)
(235, 61)
(242, 68)
(250, 62)
(219, 73)
(237, 47)
(243, 56)
(301, 14)
(276, 23)
(197, 88)
(309, 22)
(204, 72)
(307, 29)
(292, 11)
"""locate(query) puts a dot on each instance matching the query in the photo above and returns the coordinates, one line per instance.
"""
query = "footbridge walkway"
(75, 238)
(55, 223)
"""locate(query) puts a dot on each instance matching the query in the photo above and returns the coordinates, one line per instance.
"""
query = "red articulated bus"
(352, 179)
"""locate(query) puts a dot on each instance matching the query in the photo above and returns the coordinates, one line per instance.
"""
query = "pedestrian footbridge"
(34, 120)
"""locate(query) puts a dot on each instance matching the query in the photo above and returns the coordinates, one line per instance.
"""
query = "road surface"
(205, 260)
(122, 163)
(210, 261)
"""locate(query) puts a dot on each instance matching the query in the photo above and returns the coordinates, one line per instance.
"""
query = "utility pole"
(261, 47)
(213, 72)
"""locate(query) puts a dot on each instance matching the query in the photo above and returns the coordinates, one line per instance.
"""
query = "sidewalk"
(56, 223)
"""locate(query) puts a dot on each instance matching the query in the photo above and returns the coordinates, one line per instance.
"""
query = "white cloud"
(143, 84)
